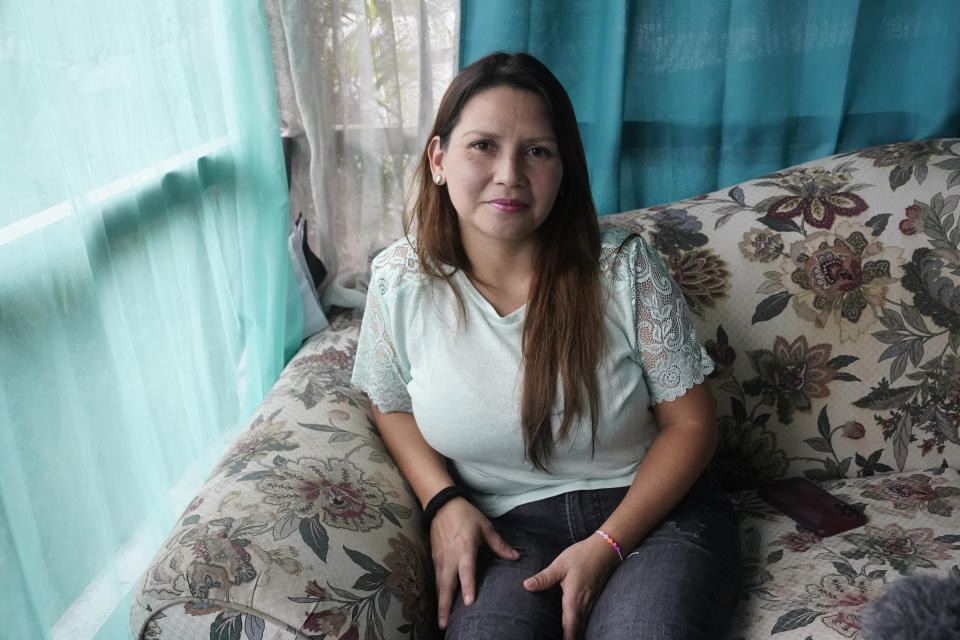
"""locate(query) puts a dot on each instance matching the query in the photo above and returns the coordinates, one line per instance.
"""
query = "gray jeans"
(678, 584)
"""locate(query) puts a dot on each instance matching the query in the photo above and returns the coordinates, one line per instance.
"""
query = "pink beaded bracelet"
(610, 541)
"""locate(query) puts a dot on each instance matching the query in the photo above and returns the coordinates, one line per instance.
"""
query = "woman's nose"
(509, 170)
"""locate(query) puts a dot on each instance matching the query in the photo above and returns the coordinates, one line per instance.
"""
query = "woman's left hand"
(581, 570)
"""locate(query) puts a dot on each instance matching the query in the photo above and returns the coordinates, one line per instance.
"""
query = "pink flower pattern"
(336, 489)
(914, 493)
(903, 549)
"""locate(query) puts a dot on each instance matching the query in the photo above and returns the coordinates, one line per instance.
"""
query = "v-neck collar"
(484, 305)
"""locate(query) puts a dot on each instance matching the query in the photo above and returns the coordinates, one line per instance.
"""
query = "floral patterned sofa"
(829, 296)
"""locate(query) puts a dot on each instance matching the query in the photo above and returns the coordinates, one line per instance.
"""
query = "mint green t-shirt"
(460, 376)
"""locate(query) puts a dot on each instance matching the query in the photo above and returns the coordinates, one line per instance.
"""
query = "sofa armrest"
(304, 528)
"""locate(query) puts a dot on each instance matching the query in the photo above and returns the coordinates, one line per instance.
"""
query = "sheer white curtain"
(358, 84)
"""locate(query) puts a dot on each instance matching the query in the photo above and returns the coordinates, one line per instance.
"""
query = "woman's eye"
(539, 152)
(481, 145)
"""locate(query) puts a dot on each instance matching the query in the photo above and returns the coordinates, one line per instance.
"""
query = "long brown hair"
(563, 328)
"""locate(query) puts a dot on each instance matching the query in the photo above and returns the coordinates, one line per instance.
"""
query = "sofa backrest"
(829, 296)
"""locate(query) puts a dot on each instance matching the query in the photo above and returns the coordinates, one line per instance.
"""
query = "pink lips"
(508, 206)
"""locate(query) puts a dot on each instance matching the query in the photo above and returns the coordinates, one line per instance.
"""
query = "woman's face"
(502, 168)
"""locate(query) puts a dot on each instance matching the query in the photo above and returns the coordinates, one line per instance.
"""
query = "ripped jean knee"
(680, 583)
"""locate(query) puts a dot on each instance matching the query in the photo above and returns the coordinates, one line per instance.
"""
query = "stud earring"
(439, 180)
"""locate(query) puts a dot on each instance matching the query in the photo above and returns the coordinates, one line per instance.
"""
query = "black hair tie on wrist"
(443, 496)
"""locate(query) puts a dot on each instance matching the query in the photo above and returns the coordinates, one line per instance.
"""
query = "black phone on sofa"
(813, 507)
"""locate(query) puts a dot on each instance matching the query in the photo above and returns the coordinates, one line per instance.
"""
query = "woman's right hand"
(458, 529)
(456, 533)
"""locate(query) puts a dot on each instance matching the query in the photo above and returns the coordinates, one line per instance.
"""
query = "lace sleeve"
(376, 369)
(672, 356)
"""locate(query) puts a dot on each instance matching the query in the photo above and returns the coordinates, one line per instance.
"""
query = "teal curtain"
(147, 301)
(680, 98)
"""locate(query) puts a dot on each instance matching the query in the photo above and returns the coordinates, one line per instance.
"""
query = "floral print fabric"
(837, 359)
(846, 311)
(304, 529)
(797, 585)
(828, 296)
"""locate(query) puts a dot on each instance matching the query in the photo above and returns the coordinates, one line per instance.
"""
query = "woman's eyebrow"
(487, 134)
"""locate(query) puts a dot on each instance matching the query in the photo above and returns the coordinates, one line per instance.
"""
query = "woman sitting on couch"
(541, 386)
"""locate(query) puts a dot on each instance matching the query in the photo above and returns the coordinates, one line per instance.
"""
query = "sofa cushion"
(797, 585)
(304, 527)
(237, 567)
(829, 296)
